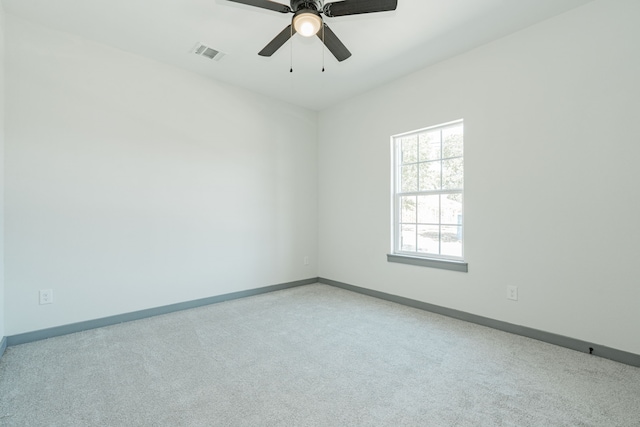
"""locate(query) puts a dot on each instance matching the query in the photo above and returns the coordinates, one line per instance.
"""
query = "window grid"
(404, 158)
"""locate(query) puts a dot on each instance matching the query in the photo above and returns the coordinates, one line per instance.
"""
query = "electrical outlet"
(512, 293)
(46, 296)
(306, 260)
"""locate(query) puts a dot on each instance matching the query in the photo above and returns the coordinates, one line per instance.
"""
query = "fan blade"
(278, 41)
(265, 4)
(354, 7)
(333, 43)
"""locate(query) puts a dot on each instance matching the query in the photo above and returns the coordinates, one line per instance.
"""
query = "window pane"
(428, 239)
(452, 142)
(429, 176)
(452, 241)
(410, 149)
(429, 145)
(429, 209)
(409, 178)
(408, 209)
(451, 209)
(408, 238)
(452, 174)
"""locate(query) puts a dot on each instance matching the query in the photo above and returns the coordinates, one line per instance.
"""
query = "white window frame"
(414, 257)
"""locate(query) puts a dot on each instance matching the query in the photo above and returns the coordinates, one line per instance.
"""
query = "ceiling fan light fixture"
(307, 22)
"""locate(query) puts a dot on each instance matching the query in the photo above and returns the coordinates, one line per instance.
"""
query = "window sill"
(429, 262)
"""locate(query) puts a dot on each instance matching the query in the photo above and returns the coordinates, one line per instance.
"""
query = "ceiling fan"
(307, 20)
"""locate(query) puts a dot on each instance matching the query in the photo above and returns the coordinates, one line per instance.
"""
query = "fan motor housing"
(297, 5)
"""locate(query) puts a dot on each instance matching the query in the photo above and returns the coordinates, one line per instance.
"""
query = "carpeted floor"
(310, 356)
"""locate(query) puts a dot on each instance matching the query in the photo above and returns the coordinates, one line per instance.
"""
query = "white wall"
(552, 152)
(2, 309)
(132, 184)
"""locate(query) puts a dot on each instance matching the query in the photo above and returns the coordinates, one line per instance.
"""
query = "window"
(428, 183)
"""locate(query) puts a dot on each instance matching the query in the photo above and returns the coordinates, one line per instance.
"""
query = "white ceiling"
(384, 45)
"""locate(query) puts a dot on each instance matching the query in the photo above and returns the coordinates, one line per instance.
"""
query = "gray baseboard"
(3, 346)
(548, 337)
(142, 314)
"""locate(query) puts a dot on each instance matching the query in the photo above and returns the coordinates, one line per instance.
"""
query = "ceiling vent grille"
(203, 50)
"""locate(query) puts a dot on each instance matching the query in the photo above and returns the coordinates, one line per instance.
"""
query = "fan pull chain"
(291, 50)
(323, 47)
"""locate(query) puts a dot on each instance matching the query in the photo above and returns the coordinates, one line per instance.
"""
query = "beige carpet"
(310, 356)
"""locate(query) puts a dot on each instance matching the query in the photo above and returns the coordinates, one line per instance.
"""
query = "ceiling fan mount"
(307, 20)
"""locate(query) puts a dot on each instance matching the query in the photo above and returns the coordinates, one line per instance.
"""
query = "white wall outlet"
(512, 293)
(46, 296)
(306, 260)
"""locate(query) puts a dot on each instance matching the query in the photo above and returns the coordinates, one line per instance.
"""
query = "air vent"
(203, 50)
